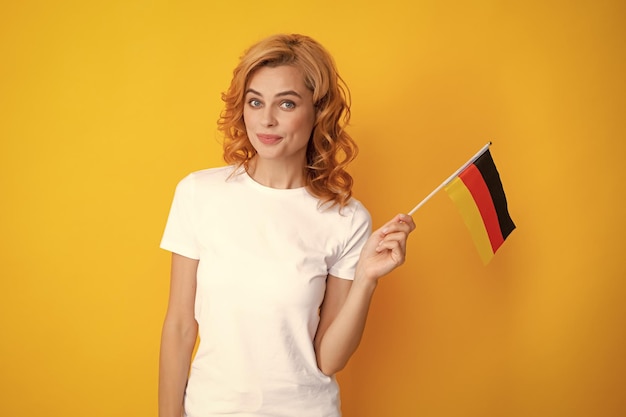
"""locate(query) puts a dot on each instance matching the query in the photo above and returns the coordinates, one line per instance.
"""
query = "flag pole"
(450, 178)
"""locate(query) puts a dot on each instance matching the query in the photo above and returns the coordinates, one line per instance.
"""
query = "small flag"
(478, 194)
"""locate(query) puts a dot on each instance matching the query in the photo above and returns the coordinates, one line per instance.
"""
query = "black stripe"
(490, 174)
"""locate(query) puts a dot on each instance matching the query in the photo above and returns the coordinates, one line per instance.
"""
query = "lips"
(268, 139)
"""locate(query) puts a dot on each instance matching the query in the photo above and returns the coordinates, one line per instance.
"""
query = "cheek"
(305, 123)
(247, 119)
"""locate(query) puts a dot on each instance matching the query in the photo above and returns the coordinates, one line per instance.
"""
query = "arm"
(346, 303)
(178, 336)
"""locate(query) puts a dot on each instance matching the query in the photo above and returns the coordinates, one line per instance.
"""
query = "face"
(279, 114)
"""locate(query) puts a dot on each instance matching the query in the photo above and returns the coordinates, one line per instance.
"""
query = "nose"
(269, 118)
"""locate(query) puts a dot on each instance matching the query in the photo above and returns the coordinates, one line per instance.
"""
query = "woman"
(273, 262)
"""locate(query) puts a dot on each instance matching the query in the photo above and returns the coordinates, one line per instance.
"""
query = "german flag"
(478, 194)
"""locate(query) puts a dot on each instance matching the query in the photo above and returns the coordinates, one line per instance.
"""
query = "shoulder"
(193, 184)
(356, 211)
(353, 216)
(218, 174)
(361, 218)
(204, 177)
(357, 207)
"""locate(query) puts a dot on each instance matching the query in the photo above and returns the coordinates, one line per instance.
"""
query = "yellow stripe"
(464, 201)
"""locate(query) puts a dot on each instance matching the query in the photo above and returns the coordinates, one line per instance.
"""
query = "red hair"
(330, 148)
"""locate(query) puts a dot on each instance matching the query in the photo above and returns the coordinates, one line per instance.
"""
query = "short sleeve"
(359, 231)
(180, 231)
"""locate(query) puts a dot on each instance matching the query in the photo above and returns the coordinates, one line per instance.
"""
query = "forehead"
(277, 79)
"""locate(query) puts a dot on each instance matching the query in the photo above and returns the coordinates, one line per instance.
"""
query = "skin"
(346, 303)
(279, 117)
(178, 336)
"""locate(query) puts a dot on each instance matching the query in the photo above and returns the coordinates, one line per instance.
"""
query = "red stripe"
(473, 180)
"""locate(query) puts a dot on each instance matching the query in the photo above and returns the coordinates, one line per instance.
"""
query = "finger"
(396, 233)
(406, 219)
(398, 226)
(389, 245)
(400, 237)
(396, 252)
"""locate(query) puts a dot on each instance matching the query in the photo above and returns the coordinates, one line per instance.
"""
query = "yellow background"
(105, 105)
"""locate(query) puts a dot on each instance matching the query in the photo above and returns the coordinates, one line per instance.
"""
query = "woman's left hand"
(385, 249)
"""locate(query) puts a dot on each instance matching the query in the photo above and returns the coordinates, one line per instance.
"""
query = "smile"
(268, 139)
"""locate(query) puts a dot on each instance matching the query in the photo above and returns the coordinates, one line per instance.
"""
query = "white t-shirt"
(264, 257)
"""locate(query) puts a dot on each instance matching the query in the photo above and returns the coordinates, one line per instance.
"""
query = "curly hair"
(330, 148)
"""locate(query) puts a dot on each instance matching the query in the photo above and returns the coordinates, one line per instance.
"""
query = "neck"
(276, 175)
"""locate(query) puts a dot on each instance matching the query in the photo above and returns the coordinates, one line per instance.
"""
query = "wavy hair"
(330, 148)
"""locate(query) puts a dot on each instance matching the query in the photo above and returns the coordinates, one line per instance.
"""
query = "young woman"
(273, 262)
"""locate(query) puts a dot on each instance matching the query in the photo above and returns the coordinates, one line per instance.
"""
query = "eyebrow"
(281, 94)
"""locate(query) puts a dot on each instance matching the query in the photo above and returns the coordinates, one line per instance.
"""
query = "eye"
(254, 103)
(288, 105)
